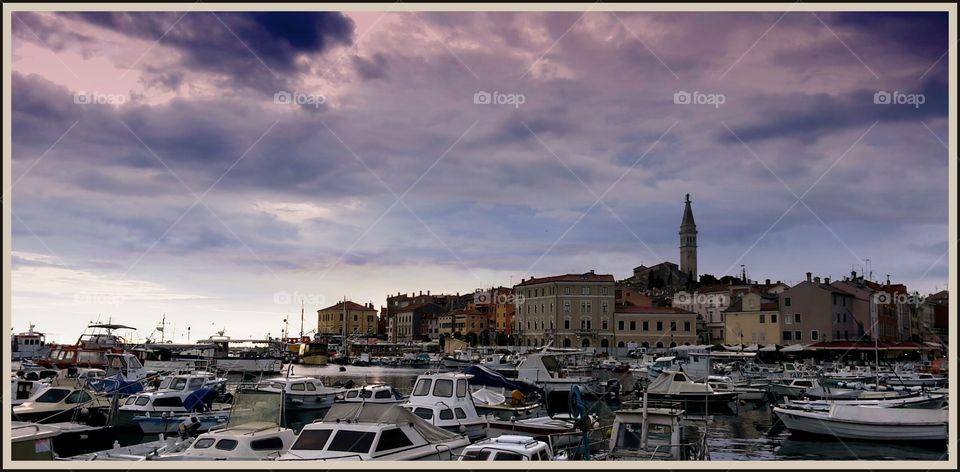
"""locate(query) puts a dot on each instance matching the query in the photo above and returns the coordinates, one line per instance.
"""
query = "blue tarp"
(198, 398)
(491, 378)
(114, 383)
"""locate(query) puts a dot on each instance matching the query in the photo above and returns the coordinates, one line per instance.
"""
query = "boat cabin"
(653, 433)
(377, 393)
(509, 447)
(444, 400)
(249, 441)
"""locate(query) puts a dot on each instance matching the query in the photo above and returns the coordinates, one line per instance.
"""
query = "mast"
(301, 318)
(343, 327)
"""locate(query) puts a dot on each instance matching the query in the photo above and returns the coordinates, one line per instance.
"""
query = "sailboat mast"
(301, 318)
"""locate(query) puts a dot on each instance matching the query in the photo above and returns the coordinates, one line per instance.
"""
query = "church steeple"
(688, 243)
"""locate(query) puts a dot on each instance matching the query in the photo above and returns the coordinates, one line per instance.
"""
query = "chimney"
(768, 282)
(421, 293)
(591, 271)
(816, 280)
(809, 274)
(853, 275)
(428, 293)
(826, 280)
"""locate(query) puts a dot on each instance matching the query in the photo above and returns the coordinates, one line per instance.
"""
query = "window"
(763, 319)
(311, 387)
(566, 290)
(143, 401)
(77, 396)
(786, 301)
(443, 388)
(351, 441)
(787, 336)
(461, 388)
(476, 455)
(633, 326)
(446, 414)
(267, 444)
(686, 326)
(646, 326)
(796, 318)
(788, 319)
(584, 290)
(796, 335)
(226, 444)
(507, 456)
(814, 335)
(393, 439)
(423, 385)
(603, 307)
(773, 318)
(424, 413)
(203, 443)
(673, 326)
(566, 306)
(54, 395)
(585, 306)
(352, 394)
(620, 325)
(603, 290)
(168, 401)
(566, 324)
(297, 387)
(659, 325)
(603, 323)
(460, 413)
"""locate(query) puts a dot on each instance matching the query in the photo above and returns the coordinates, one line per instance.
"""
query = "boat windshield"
(352, 441)
(476, 455)
(312, 439)
(54, 395)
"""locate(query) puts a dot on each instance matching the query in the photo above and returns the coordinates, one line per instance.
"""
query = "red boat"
(90, 351)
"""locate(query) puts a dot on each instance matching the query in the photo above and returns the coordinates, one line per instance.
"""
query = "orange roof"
(350, 306)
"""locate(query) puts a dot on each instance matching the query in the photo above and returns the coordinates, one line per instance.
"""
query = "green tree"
(471, 338)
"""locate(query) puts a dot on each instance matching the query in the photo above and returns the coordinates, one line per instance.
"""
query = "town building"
(753, 319)
(814, 311)
(652, 327)
(361, 319)
(566, 310)
(408, 321)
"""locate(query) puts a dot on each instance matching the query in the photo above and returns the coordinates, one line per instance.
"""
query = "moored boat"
(868, 423)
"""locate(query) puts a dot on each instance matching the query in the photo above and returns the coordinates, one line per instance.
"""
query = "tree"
(504, 340)
(443, 340)
(471, 338)
(708, 279)
(484, 338)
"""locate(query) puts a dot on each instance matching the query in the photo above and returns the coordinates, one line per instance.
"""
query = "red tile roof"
(586, 277)
(350, 306)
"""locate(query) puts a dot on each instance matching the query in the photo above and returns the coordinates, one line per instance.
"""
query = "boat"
(793, 388)
(252, 441)
(926, 401)
(123, 374)
(182, 393)
(374, 431)
(545, 369)
(166, 423)
(21, 389)
(444, 400)
(676, 386)
(918, 379)
(316, 352)
(300, 393)
(90, 350)
(832, 393)
(490, 402)
(374, 393)
(660, 364)
(32, 441)
(744, 392)
(654, 433)
(461, 358)
(610, 364)
(560, 429)
(855, 422)
(29, 345)
(57, 404)
(214, 353)
(135, 452)
(510, 448)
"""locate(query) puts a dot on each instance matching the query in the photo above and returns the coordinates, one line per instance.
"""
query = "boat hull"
(159, 425)
(824, 426)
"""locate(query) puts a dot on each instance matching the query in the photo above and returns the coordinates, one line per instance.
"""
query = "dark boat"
(90, 350)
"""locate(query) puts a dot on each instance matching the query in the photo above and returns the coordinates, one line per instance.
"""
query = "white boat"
(32, 441)
(928, 401)
(244, 442)
(21, 389)
(744, 393)
(677, 387)
(610, 364)
(654, 434)
(510, 448)
(561, 429)
(57, 404)
(444, 400)
(793, 388)
(168, 423)
(919, 379)
(300, 393)
(176, 394)
(136, 452)
(491, 402)
(373, 431)
(374, 393)
(29, 345)
(868, 423)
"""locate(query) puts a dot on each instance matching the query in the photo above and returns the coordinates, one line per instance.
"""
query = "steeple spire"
(688, 243)
(687, 214)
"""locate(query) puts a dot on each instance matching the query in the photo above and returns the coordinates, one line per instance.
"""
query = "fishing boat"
(793, 388)
(57, 404)
(251, 441)
(90, 350)
(925, 401)
(29, 345)
(653, 433)
(372, 431)
(868, 423)
(166, 423)
(510, 448)
(31, 441)
(490, 402)
(444, 400)
(183, 393)
(375, 393)
(300, 393)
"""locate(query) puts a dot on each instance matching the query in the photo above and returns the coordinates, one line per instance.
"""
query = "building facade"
(812, 311)
(753, 319)
(566, 310)
(653, 327)
(361, 319)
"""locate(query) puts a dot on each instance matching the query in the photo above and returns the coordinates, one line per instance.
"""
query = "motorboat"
(846, 422)
(21, 389)
(49, 441)
(374, 431)
(374, 393)
(676, 386)
(660, 364)
(252, 441)
(29, 345)
(58, 404)
(926, 401)
(546, 370)
(744, 393)
(491, 402)
(182, 393)
(136, 452)
(444, 400)
(650, 433)
(32, 441)
(917, 379)
(560, 430)
(793, 388)
(166, 423)
(90, 350)
(510, 448)
(300, 393)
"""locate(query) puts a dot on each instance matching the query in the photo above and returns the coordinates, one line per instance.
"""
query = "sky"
(218, 168)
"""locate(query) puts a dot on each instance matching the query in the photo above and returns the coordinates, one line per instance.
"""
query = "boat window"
(393, 439)
(382, 394)
(77, 396)
(195, 384)
(443, 388)
(679, 378)
(352, 394)
(422, 388)
(53, 395)
(142, 400)
(475, 455)
(165, 383)
(312, 439)
(446, 414)
(130, 400)
(543, 455)
(424, 413)
(460, 413)
(311, 387)
(659, 433)
(461, 388)
(297, 387)
(508, 456)
(133, 363)
(178, 383)
(267, 444)
(351, 441)
(168, 401)
(803, 383)
(226, 444)
(203, 443)
(628, 436)
(366, 393)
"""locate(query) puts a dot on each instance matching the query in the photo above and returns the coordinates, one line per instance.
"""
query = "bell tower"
(688, 243)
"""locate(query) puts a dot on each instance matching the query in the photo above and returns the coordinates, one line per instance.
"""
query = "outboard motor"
(614, 388)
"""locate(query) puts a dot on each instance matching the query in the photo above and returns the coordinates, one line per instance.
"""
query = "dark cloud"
(374, 68)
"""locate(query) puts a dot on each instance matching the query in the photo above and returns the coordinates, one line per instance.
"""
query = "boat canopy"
(676, 382)
(111, 326)
(385, 413)
(491, 378)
